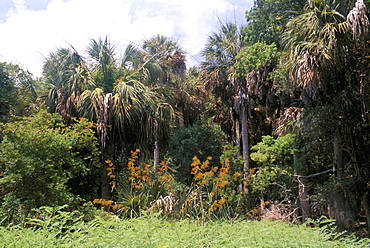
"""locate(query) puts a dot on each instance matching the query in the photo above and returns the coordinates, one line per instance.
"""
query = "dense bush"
(39, 155)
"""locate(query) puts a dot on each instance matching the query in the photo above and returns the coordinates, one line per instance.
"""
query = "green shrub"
(39, 155)
(274, 157)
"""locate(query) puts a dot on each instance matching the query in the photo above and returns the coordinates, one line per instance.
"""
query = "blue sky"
(31, 29)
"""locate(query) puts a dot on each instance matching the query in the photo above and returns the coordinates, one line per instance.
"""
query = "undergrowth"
(53, 227)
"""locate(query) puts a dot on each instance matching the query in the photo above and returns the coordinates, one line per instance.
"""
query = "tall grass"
(149, 231)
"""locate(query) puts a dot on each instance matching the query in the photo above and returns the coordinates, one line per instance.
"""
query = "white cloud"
(20, 5)
(30, 35)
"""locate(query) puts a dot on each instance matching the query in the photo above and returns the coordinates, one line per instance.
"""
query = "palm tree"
(165, 58)
(127, 113)
(231, 92)
(319, 45)
(66, 72)
(104, 66)
(132, 115)
(166, 74)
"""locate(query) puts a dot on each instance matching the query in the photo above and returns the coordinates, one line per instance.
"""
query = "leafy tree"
(274, 158)
(39, 157)
(7, 89)
(254, 57)
(17, 91)
(267, 20)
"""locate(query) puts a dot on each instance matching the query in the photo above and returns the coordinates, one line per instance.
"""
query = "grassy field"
(155, 232)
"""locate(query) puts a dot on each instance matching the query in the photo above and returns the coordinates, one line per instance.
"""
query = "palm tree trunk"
(237, 136)
(156, 155)
(300, 168)
(245, 142)
(105, 186)
(338, 154)
(344, 202)
(181, 117)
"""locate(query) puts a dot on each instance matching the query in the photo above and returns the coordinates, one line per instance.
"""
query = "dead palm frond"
(317, 44)
(289, 121)
(359, 21)
(307, 74)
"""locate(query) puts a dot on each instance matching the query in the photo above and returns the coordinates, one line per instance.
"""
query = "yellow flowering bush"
(215, 184)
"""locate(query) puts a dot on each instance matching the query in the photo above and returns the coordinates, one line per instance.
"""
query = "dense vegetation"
(63, 229)
(273, 124)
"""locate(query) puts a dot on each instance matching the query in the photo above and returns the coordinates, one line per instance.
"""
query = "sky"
(31, 29)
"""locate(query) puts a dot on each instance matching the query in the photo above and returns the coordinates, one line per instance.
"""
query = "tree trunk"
(245, 142)
(181, 117)
(106, 193)
(156, 155)
(338, 155)
(365, 206)
(344, 203)
(237, 136)
(300, 168)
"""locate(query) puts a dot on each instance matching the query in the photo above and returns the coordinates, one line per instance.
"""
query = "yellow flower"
(204, 165)
(117, 206)
(236, 175)
(107, 203)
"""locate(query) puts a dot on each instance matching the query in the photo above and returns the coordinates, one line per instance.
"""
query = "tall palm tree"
(104, 66)
(65, 70)
(166, 58)
(231, 92)
(319, 47)
(127, 113)
(167, 75)
(318, 43)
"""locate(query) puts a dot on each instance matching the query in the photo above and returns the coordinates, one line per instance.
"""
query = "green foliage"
(201, 140)
(255, 57)
(150, 231)
(39, 155)
(230, 153)
(6, 91)
(274, 157)
(17, 90)
(268, 18)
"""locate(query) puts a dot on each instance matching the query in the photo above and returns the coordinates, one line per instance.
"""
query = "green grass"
(154, 232)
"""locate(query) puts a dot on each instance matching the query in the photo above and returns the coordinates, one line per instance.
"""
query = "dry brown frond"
(282, 212)
(287, 122)
(359, 21)
(307, 74)
(165, 204)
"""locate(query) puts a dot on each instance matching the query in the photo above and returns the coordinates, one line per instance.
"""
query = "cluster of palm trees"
(133, 102)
